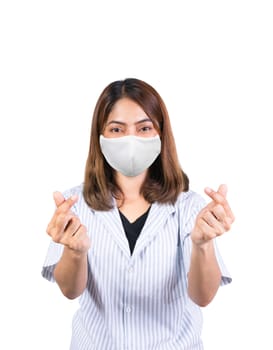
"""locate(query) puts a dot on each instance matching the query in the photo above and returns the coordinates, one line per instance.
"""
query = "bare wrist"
(75, 254)
(204, 247)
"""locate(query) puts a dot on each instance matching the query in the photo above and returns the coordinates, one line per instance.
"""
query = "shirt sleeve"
(195, 208)
(54, 251)
(54, 254)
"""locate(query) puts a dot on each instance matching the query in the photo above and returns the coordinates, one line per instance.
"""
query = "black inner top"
(133, 229)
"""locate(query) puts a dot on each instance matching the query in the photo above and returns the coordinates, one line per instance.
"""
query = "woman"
(133, 242)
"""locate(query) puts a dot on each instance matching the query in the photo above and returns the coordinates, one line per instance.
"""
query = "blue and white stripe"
(137, 302)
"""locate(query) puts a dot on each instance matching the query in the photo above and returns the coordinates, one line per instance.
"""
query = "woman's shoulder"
(190, 198)
(76, 190)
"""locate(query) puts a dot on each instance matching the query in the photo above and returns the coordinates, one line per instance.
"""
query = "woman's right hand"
(65, 227)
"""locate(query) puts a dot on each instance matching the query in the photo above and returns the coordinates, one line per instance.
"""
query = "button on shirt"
(138, 301)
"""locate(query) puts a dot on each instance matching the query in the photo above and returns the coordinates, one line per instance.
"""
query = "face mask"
(131, 155)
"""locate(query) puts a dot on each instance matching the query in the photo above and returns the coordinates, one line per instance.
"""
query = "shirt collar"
(156, 219)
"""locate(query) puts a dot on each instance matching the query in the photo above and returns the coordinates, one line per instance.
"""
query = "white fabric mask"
(131, 155)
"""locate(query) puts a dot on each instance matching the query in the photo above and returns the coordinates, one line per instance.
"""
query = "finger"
(80, 240)
(63, 219)
(209, 218)
(207, 232)
(220, 199)
(70, 239)
(223, 190)
(219, 212)
(215, 196)
(217, 226)
(72, 226)
(58, 198)
(66, 204)
(81, 231)
(57, 226)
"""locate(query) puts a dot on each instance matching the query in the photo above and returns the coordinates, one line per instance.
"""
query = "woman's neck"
(130, 186)
(133, 204)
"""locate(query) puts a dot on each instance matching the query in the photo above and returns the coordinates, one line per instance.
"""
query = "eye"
(115, 130)
(146, 128)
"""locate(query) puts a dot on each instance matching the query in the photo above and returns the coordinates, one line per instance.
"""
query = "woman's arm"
(204, 275)
(71, 271)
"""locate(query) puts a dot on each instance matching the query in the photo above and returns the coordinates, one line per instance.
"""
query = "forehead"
(126, 109)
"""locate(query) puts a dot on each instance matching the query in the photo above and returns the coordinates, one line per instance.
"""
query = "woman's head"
(136, 90)
(149, 117)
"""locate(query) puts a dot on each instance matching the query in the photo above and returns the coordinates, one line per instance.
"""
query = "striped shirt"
(138, 301)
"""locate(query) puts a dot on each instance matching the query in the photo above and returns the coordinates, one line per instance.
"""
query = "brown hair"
(165, 179)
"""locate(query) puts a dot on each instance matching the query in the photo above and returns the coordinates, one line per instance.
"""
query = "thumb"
(223, 190)
(58, 198)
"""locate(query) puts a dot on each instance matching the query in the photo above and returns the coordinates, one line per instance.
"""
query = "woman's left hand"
(213, 220)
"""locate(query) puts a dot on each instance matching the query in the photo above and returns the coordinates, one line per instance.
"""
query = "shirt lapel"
(112, 223)
(158, 215)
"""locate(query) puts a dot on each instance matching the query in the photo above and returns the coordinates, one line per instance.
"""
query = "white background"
(211, 61)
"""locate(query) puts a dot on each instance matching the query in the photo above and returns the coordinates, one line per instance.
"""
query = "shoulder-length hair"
(165, 179)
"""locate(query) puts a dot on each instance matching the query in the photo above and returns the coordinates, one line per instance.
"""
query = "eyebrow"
(122, 123)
